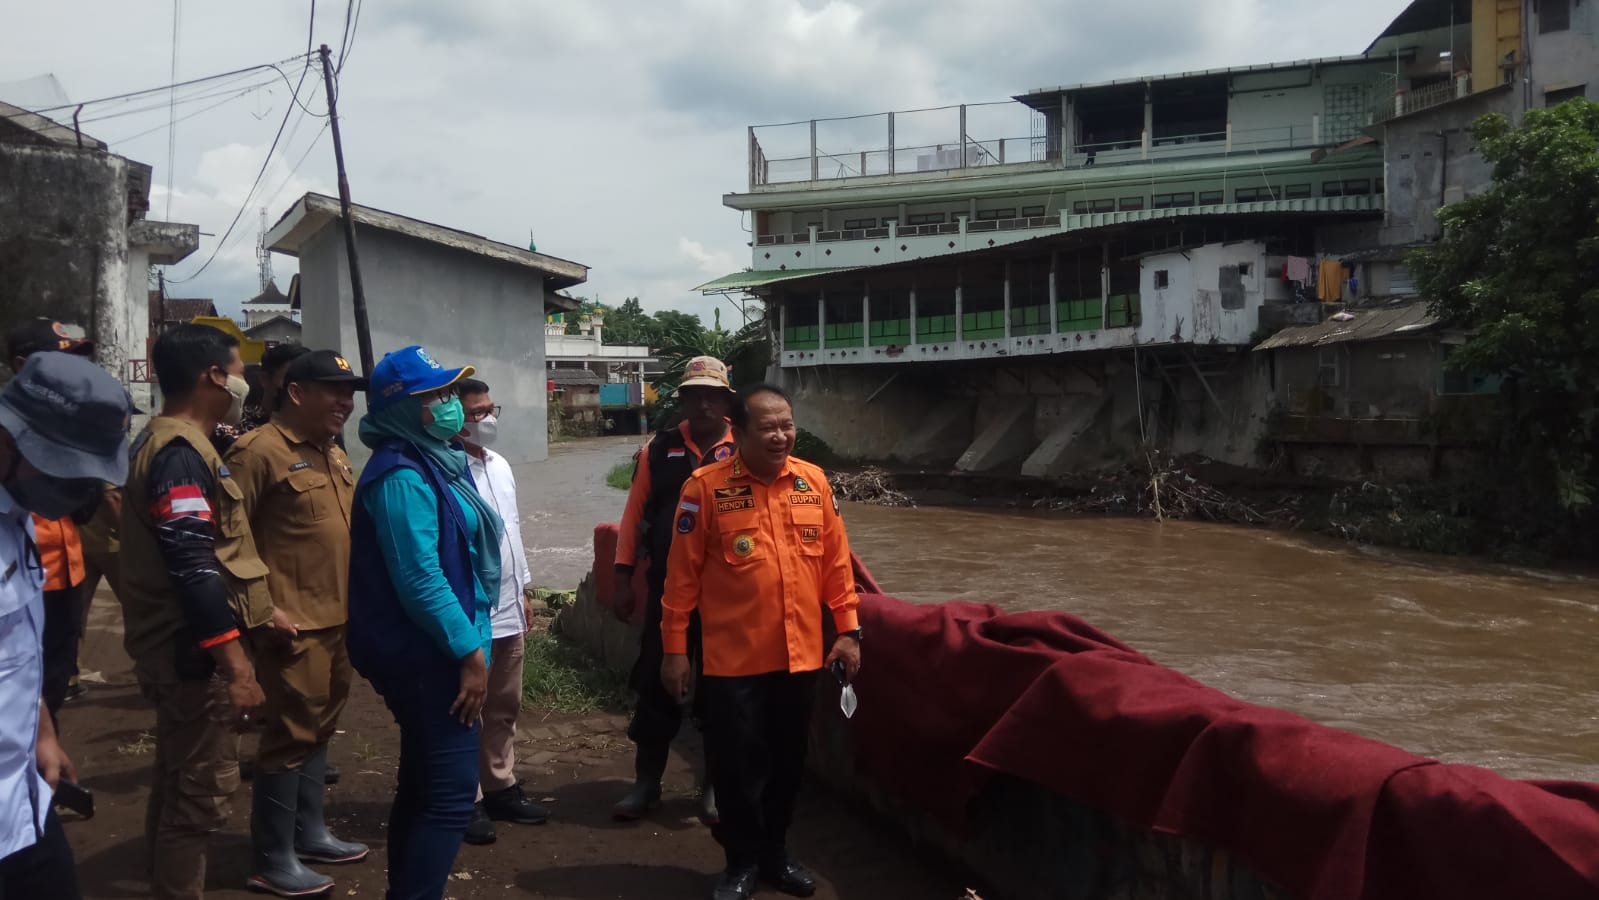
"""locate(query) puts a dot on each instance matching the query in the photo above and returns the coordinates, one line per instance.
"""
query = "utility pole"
(363, 334)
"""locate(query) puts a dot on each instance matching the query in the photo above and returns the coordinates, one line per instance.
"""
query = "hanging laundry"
(1330, 281)
(1298, 268)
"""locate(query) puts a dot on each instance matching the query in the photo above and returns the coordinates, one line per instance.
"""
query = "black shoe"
(790, 878)
(331, 776)
(74, 691)
(511, 805)
(735, 884)
(481, 829)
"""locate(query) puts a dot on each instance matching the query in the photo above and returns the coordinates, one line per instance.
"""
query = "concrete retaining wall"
(1022, 842)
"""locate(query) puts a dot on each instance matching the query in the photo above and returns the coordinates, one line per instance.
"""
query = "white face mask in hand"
(484, 431)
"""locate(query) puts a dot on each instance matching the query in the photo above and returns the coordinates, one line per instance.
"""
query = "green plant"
(620, 476)
(559, 677)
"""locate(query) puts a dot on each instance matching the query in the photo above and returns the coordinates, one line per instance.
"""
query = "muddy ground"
(577, 765)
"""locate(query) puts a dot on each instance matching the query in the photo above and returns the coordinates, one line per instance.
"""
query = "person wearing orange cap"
(660, 469)
(60, 545)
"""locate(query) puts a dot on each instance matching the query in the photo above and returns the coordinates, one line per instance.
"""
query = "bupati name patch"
(810, 534)
(726, 506)
(742, 490)
(805, 499)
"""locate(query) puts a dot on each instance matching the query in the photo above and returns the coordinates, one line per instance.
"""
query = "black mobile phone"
(76, 797)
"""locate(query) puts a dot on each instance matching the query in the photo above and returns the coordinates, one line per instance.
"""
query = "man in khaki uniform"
(192, 586)
(298, 486)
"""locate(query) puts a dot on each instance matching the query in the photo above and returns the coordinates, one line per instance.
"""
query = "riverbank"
(1452, 519)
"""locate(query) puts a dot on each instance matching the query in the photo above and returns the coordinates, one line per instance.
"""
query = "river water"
(1468, 663)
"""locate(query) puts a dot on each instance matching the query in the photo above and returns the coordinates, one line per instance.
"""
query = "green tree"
(629, 324)
(747, 351)
(1518, 267)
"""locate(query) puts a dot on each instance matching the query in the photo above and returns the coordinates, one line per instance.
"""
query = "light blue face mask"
(449, 417)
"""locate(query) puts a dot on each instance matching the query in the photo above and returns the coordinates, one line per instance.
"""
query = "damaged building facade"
(75, 243)
(1042, 286)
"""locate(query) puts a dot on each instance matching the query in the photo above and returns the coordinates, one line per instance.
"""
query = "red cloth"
(605, 537)
(954, 692)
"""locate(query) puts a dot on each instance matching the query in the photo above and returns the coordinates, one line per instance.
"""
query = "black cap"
(45, 334)
(323, 365)
(69, 418)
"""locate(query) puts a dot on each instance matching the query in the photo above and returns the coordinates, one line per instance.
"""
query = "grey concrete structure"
(74, 243)
(469, 300)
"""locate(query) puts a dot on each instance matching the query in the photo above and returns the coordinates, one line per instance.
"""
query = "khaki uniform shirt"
(150, 607)
(298, 494)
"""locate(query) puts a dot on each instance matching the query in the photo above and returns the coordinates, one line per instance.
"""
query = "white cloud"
(719, 262)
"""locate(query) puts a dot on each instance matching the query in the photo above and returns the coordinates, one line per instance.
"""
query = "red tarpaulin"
(954, 692)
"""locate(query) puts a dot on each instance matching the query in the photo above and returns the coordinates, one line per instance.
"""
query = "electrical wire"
(265, 163)
(223, 102)
(347, 43)
(172, 107)
(326, 126)
(156, 90)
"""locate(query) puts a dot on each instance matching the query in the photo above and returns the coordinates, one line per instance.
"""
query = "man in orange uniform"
(60, 547)
(659, 471)
(760, 551)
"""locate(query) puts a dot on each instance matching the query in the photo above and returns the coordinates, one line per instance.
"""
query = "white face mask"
(484, 431)
(240, 389)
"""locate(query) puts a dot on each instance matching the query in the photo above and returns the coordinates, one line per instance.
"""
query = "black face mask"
(51, 498)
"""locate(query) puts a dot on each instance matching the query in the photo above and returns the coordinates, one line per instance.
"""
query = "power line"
(172, 108)
(347, 42)
(223, 102)
(294, 171)
(246, 205)
(165, 87)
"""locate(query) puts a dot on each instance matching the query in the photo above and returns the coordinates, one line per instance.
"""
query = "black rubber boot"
(274, 868)
(649, 764)
(312, 839)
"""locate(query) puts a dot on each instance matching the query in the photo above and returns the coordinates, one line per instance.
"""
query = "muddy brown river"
(1469, 663)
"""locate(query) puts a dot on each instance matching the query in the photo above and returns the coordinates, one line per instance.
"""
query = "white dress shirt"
(494, 481)
(24, 794)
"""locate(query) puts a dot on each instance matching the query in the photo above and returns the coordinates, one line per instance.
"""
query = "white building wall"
(1196, 306)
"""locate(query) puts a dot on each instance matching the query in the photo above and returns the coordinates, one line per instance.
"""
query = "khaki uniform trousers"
(306, 682)
(196, 772)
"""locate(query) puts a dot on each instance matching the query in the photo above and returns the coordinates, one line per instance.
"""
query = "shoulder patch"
(222, 472)
(722, 452)
(685, 522)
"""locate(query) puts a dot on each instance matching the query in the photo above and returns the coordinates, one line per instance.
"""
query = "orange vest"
(61, 553)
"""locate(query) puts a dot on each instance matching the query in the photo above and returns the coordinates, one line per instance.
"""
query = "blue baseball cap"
(408, 372)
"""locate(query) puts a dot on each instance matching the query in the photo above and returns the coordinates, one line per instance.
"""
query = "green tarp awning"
(746, 280)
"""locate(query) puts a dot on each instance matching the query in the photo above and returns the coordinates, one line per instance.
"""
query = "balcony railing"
(812, 152)
(1388, 101)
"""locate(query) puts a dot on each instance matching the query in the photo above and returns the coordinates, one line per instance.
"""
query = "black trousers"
(658, 716)
(44, 870)
(756, 730)
(61, 630)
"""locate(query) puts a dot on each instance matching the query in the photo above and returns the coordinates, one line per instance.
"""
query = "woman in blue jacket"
(424, 545)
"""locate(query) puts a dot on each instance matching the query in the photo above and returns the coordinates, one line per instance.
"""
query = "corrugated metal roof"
(1198, 73)
(1366, 325)
(574, 377)
(744, 280)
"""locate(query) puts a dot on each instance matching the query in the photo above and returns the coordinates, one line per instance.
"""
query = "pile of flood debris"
(1164, 488)
(870, 485)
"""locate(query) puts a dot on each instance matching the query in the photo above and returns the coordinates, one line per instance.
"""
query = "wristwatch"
(856, 634)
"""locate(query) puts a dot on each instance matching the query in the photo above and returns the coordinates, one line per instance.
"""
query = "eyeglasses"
(478, 416)
(443, 395)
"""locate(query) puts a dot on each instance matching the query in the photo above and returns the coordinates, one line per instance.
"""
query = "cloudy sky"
(608, 129)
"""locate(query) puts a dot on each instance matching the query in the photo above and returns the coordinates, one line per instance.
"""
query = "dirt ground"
(577, 765)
